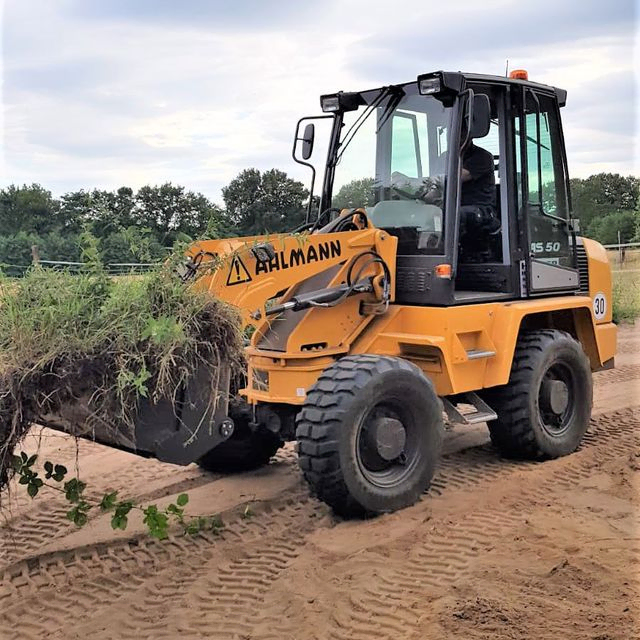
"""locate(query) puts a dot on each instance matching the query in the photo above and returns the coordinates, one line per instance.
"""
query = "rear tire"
(544, 410)
(369, 435)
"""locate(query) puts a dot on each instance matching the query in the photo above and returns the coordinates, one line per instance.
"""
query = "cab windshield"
(392, 161)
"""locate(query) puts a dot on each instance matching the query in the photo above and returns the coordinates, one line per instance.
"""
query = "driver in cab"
(478, 193)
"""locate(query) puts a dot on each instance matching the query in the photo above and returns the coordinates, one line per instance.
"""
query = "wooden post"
(620, 258)
(35, 255)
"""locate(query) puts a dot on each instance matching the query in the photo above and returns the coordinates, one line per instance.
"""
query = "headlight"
(330, 104)
(429, 85)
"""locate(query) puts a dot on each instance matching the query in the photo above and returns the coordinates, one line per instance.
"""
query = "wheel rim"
(556, 399)
(386, 445)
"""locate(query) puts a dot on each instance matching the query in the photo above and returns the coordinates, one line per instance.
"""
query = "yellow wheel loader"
(442, 275)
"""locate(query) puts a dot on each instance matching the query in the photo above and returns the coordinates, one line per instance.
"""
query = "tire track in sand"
(142, 582)
(623, 373)
(389, 605)
(131, 577)
(33, 528)
(39, 522)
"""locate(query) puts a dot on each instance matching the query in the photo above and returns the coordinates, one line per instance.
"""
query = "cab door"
(549, 249)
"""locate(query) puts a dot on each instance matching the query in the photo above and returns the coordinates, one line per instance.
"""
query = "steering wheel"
(405, 194)
(347, 223)
(427, 190)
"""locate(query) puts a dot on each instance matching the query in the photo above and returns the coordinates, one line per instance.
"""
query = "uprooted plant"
(103, 344)
(157, 520)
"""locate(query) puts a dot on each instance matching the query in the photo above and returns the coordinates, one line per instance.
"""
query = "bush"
(605, 229)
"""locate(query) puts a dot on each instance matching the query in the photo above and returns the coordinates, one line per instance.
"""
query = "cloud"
(202, 14)
(129, 92)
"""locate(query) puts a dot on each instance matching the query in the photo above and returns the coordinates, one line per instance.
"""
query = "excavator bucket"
(178, 430)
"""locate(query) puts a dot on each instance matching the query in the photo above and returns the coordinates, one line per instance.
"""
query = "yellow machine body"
(432, 295)
(442, 341)
(460, 348)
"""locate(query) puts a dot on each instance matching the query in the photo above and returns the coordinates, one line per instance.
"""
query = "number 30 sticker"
(599, 306)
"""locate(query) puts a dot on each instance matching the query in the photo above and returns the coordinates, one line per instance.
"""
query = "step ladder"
(480, 412)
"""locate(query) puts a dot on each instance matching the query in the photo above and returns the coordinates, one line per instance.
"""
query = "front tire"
(369, 435)
(544, 410)
(245, 449)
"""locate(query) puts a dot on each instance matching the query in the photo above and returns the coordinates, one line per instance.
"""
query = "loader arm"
(251, 273)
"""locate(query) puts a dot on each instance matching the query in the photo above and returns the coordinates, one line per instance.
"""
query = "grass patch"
(626, 296)
(69, 337)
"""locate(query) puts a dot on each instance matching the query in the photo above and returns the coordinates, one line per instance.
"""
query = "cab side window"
(545, 197)
(547, 185)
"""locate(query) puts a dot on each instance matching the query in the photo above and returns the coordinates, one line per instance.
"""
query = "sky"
(105, 93)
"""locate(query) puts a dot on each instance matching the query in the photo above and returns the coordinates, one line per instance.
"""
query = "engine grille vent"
(583, 268)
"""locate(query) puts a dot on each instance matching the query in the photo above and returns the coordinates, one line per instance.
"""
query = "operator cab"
(400, 153)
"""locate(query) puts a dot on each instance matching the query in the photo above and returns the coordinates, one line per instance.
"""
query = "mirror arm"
(296, 139)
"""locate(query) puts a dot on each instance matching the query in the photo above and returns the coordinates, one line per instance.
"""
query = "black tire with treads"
(245, 449)
(519, 431)
(334, 419)
(243, 453)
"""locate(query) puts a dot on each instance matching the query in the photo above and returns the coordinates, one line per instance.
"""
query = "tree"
(268, 202)
(31, 209)
(357, 193)
(59, 245)
(170, 210)
(605, 229)
(105, 211)
(602, 194)
(130, 245)
(15, 248)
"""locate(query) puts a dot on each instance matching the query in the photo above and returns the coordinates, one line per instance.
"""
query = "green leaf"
(48, 467)
(16, 463)
(31, 461)
(108, 501)
(123, 508)
(73, 490)
(24, 456)
(84, 506)
(175, 510)
(119, 522)
(32, 489)
(24, 480)
(59, 472)
(156, 521)
(192, 528)
(182, 500)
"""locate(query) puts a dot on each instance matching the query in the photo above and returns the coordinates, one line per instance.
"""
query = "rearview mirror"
(480, 116)
(307, 140)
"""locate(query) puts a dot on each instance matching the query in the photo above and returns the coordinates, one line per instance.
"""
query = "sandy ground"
(495, 550)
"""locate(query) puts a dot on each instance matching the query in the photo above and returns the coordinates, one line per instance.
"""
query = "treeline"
(608, 204)
(138, 226)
